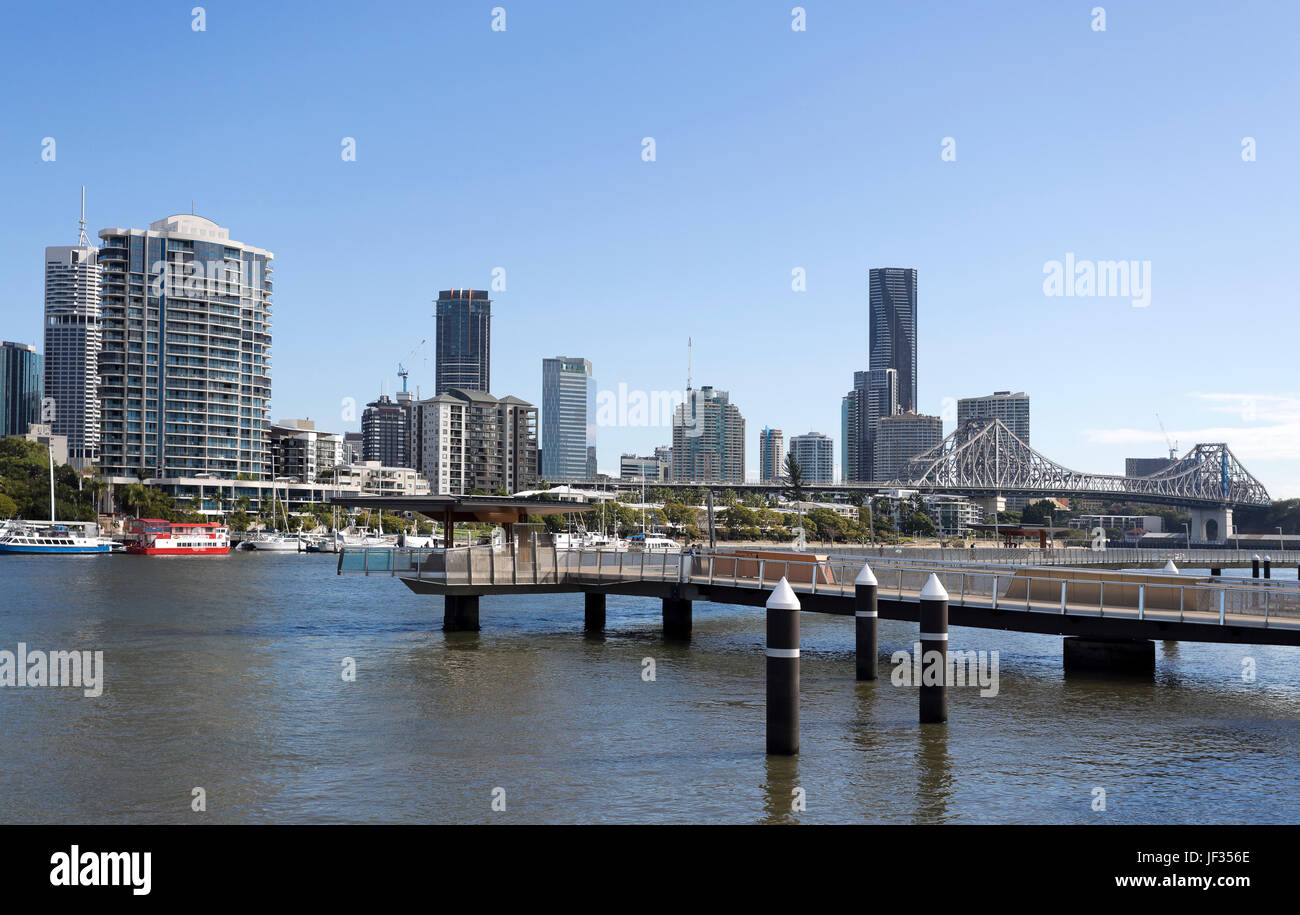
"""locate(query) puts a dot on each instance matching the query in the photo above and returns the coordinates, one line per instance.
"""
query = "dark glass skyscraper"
(464, 341)
(893, 329)
(22, 374)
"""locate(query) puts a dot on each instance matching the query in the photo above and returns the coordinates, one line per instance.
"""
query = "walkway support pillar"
(1268, 567)
(783, 671)
(866, 623)
(460, 613)
(934, 651)
(677, 618)
(594, 612)
(1254, 566)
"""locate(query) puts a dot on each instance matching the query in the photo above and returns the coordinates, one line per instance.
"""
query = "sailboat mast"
(51, 450)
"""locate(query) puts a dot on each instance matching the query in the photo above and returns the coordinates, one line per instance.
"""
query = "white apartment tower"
(72, 342)
(185, 362)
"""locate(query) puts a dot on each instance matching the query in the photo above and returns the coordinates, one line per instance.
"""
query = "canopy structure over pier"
(447, 510)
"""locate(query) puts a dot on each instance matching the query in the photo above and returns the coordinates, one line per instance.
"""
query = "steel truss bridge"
(984, 457)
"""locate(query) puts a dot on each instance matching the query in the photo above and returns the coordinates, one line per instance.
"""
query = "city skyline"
(1029, 185)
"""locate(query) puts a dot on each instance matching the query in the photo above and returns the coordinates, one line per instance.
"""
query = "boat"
(69, 537)
(604, 543)
(273, 542)
(653, 543)
(155, 537)
(366, 538)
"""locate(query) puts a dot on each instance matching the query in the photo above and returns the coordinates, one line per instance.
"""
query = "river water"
(225, 673)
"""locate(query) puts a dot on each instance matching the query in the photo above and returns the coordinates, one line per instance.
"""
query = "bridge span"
(1100, 606)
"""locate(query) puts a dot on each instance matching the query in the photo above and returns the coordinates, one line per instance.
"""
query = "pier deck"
(1088, 602)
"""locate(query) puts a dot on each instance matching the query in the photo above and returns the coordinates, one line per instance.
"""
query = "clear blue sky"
(775, 149)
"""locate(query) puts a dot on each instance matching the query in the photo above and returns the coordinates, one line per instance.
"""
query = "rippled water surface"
(224, 673)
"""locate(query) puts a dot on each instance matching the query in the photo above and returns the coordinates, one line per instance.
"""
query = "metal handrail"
(1276, 601)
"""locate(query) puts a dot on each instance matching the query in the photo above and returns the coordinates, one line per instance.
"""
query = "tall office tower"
(1012, 409)
(815, 454)
(770, 450)
(21, 385)
(386, 430)
(72, 340)
(893, 328)
(1145, 467)
(474, 442)
(854, 448)
(708, 439)
(185, 357)
(464, 341)
(882, 401)
(900, 438)
(874, 394)
(568, 419)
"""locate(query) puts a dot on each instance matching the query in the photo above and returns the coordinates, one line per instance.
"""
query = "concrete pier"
(1112, 656)
(677, 618)
(460, 613)
(594, 612)
(867, 623)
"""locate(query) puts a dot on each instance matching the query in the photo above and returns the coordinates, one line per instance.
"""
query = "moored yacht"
(53, 537)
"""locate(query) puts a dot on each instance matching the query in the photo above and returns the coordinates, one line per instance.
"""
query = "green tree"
(793, 479)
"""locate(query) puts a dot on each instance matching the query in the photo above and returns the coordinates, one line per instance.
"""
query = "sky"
(976, 142)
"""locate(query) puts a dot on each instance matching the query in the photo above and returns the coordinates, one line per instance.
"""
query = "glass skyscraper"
(463, 347)
(72, 341)
(185, 358)
(568, 419)
(21, 383)
(893, 329)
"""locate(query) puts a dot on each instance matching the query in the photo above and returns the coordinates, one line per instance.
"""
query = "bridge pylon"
(1210, 525)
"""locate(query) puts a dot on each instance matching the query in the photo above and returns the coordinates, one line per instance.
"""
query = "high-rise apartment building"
(72, 341)
(474, 442)
(1012, 409)
(568, 419)
(900, 438)
(302, 452)
(893, 328)
(464, 341)
(771, 450)
(22, 380)
(386, 429)
(185, 357)
(815, 455)
(708, 439)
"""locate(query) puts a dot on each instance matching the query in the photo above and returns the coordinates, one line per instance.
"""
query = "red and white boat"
(154, 537)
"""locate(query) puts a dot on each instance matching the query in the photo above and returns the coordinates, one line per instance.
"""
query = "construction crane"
(1173, 445)
(402, 370)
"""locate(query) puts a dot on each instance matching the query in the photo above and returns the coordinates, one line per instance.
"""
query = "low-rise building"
(649, 468)
(374, 479)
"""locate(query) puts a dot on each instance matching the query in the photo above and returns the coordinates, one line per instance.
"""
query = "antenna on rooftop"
(688, 363)
(82, 241)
